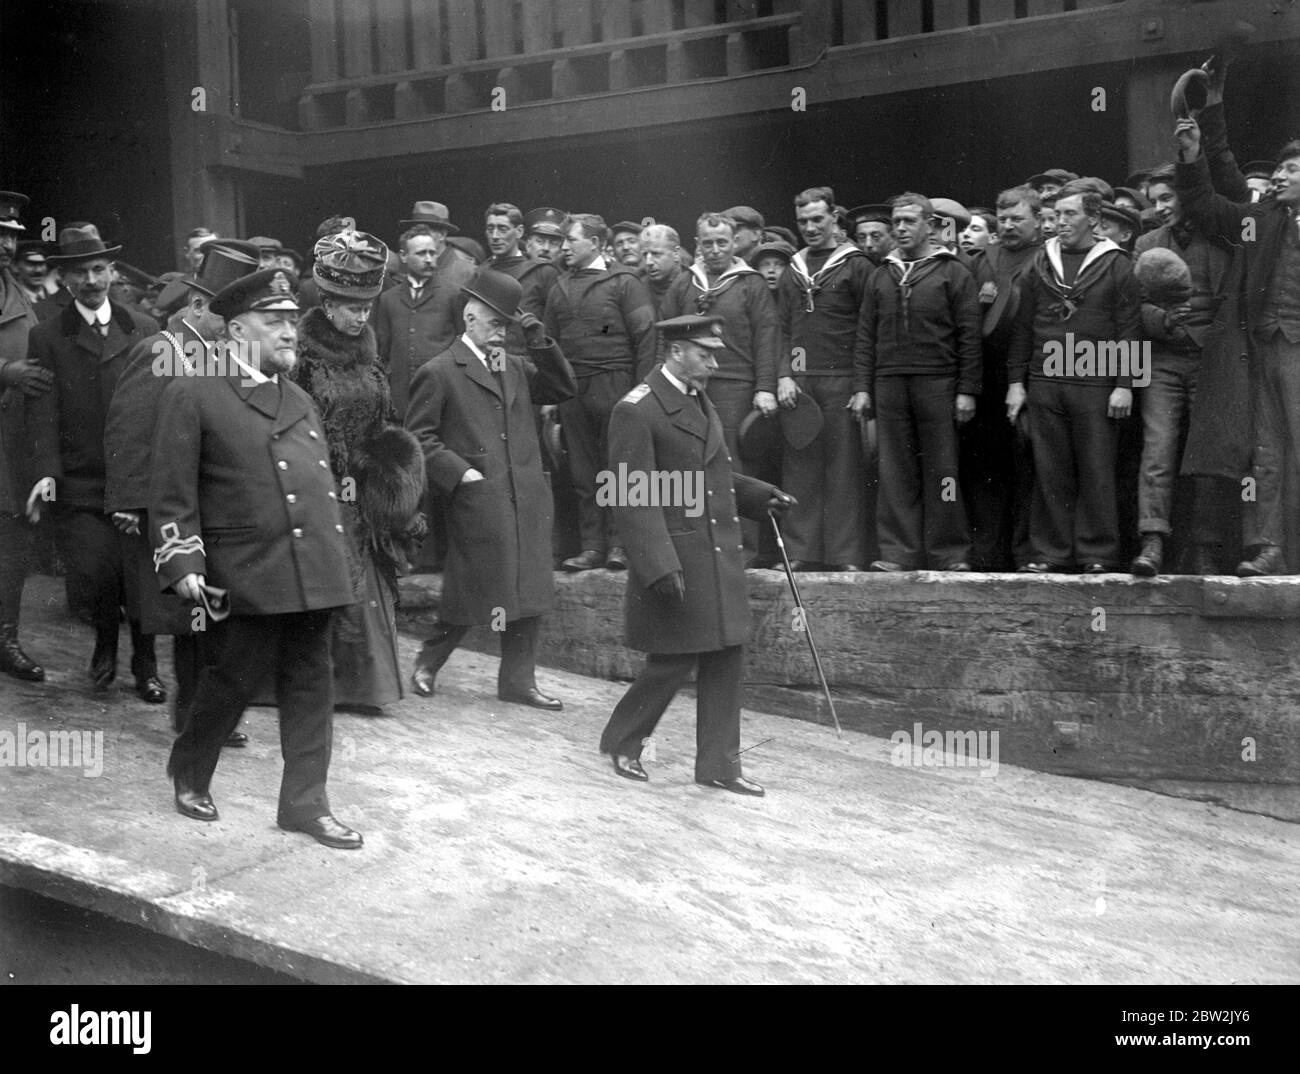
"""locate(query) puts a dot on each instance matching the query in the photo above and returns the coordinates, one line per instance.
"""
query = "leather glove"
(780, 502)
(671, 587)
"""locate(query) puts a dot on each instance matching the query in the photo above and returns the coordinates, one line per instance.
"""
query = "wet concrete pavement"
(500, 847)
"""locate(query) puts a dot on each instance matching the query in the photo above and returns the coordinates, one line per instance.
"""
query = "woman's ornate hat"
(350, 264)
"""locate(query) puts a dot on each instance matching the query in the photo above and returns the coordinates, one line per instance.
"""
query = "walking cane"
(807, 630)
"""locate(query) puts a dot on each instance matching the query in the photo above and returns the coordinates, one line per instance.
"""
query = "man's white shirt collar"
(681, 387)
(102, 315)
(474, 347)
(598, 264)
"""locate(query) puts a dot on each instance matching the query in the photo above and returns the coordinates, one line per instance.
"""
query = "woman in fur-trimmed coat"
(378, 465)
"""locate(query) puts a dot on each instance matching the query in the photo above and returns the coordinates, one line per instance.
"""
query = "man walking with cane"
(687, 603)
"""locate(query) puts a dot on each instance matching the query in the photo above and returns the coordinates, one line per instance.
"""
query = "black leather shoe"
(327, 831)
(1036, 568)
(737, 785)
(885, 567)
(195, 804)
(630, 768)
(1147, 563)
(589, 560)
(15, 662)
(237, 740)
(151, 690)
(535, 698)
(1096, 568)
(1268, 560)
(616, 560)
(423, 680)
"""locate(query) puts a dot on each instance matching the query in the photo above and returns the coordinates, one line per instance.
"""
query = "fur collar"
(320, 341)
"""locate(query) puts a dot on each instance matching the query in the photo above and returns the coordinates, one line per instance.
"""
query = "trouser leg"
(304, 691)
(717, 714)
(517, 673)
(638, 712)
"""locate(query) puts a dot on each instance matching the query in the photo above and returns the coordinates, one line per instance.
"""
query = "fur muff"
(1164, 276)
(389, 468)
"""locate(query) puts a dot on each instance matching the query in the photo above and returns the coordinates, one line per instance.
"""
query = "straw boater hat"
(350, 264)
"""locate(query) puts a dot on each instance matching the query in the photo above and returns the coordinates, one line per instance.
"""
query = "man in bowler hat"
(472, 411)
(245, 521)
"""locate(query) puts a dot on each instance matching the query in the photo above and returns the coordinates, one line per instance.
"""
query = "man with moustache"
(19, 380)
(748, 234)
(919, 359)
(133, 413)
(818, 302)
(471, 410)
(603, 320)
(687, 606)
(1084, 286)
(245, 521)
(997, 466)
(30, 270)
(544, 234)
(86, 348)
(661, 265)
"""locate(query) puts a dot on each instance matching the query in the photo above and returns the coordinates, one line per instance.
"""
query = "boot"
(15, 662)
(1146, 564)
(1268, 560)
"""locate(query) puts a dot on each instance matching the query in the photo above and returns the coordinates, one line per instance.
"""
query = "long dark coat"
(128, 463)
(17, 319)
(244, 468)
(66, 425)
(656, 428)
(498, 529)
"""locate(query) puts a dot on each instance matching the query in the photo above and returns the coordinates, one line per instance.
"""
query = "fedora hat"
(758, 440)
(350, 264)
(81, 244)
(801, 425)
(12, 206)
(497, 291)
(432, 213)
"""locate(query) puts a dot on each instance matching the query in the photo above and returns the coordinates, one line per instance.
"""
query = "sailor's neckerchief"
(710, 294)
(908, 273)
(1052, 274)
(811, 286)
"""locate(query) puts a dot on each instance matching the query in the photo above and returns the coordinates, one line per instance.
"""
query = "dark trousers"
(920, 517)
(1074, 519)
(188, 652)
(92, 552)
(517, 673)
(829, 480)
(585, 419)
(1277, 437)
(294, 650)
(717, 708)
(997, 483)
(15, 560)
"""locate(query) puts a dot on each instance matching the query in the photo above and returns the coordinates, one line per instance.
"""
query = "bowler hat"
(544, 221)
(267, 290)
(802, 425)
(497, 291)
(758, 440)
(12, 206)
(350, 264)
(81, 244)
(432, 214)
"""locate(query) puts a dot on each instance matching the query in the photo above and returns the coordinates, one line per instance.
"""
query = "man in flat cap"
(19, 380)
(625, 239)
(245, 525)
(472, 411)
(86, 348)
(128, 454)
(687, 605)
(748, 234)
